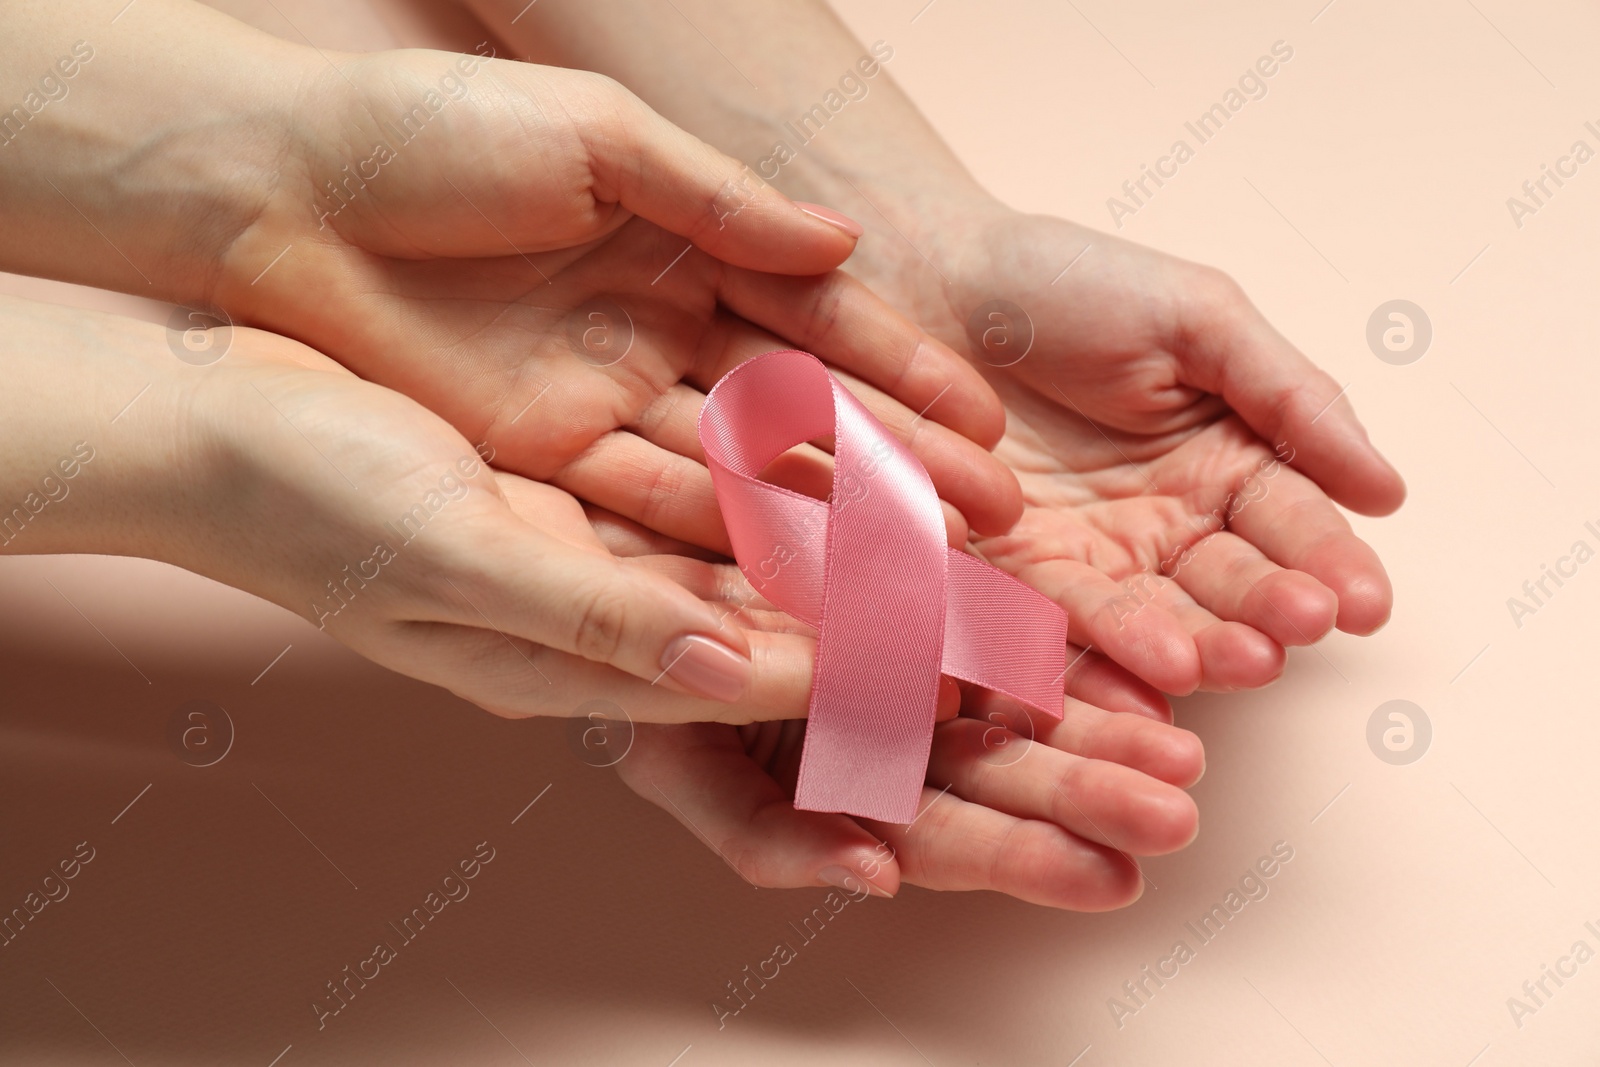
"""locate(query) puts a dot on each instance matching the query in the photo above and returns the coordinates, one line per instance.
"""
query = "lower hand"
(1054, 813)
(278, 471)
(1180, 460)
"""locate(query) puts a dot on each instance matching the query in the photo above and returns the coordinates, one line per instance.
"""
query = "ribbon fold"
(896, 607)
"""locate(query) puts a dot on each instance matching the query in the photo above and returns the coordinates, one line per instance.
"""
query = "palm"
(583, 370)
(494, 272)
(1148, 407)
(1055, 820)
(1112, 529)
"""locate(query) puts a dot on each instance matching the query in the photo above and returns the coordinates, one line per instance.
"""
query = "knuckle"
(1301, 515)
(1224, 291)
(1006, 852)
(1064, 808)
(826, 301)
(590, 95)
(1297, 401)
(747, 864)
(1240, 575)
(601, 623)
(663, 493)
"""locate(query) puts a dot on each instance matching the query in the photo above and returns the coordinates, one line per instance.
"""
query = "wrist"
(100, 454)
(919, 208)
(927, 242)
(137, 181)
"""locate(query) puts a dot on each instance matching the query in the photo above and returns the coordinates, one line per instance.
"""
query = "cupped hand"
(364, 512)
(1054, 813)
(561, 274)
(1180, 459)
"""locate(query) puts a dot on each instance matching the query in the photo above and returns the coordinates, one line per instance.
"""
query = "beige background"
(1419, 899)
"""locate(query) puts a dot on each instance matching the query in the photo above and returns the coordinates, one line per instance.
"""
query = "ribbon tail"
(875, 691)
(1004, 635)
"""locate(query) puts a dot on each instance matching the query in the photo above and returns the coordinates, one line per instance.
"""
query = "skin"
(201, 468)
(1054, 813)
(1161, 401)
(461, 266)
(440, 282)
(278, 471)
(1154, 395)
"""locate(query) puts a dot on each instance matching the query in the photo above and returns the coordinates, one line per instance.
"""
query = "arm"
(457, 218)
(280, 473)
(141, 149)
(145, 149)
(881, 156)
(1152, 395)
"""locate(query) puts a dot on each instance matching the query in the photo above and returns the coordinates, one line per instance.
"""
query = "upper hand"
(561, 274)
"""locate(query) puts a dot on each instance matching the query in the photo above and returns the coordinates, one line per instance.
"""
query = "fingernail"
(707, 668)
(831, 217)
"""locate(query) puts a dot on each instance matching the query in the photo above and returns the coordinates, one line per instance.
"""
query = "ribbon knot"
(895, 606)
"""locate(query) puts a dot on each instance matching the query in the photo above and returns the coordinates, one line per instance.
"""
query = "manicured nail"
(707, 668)
(831, 217)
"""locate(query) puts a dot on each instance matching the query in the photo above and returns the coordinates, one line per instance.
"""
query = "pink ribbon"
(895, 605)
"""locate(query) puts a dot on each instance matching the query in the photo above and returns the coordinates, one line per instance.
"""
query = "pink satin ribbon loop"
(895, 606)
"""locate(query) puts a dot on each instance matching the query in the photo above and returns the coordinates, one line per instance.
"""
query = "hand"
(1057, 820)
(1179, 458)
(281, 473)
(1192, 388)
(1052, 813)
(470, 271)
(458, 228)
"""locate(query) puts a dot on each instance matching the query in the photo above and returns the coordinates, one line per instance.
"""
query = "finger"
(1121, 622)
(512, 577)
(671, 422)
(658, 489)
(981, 487)
(724, 584)
(701, 775)
(516, 678)
(1230, 577)
(1291, 402)
(1233, 655)
(957, 845)
(1297, 527)
(662, 173)
(1093, 678)
(843, 323)
(624, 537)
(1098, 800)
(560, 157)
(1162, 751)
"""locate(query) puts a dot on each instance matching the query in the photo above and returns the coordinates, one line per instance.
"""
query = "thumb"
(537, 158)
(672, 178)
(609, 611)
(1296, 406)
